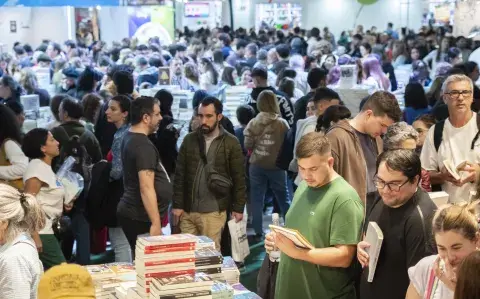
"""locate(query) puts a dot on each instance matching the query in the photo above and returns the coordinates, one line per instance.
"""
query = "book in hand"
(294, 235)
(454, 170)
(374, 237)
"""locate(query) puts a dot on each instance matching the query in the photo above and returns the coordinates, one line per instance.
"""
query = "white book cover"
(374, 237)
(440, 198)
(454, 169)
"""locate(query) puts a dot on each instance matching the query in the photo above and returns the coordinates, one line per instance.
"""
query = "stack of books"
(204, 242)
(209, 261)
(122, 290)
(163, 257)
(230, 271)
(197, 286)
(107, 277)
(241, 292)
(222, 290)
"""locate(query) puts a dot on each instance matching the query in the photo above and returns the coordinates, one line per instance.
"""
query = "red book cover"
(168, 262)
(173, 249)
(170, 246)
(170, 273)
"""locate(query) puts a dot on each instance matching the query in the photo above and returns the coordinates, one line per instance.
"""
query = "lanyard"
(432, 285)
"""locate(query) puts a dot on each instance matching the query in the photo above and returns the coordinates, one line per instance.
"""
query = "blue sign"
(75, 3)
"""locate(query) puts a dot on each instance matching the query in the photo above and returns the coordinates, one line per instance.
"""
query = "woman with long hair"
(20, 216)
(29, 82)
(438, 55)
(40, 181)
(399, 54)
(192, 75)
(264, 137)
(91, 104)
(416, 103)
(455, 228)
(87, 82)
(373, 75)
(10, 90)
(208, 75)
(118, 114)
(229, 76)
(13, 161)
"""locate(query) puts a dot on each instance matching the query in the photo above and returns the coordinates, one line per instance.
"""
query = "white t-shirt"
(50, 196)
(419, 277)
(456, 144)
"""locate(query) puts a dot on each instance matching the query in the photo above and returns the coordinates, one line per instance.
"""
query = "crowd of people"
(327, 171)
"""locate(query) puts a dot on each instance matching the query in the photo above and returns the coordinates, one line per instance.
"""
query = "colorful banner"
(145, 22)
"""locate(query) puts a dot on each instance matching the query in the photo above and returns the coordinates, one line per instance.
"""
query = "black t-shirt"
(139, 153)
(403, 245)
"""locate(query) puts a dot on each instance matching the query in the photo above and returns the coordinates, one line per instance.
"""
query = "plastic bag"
(238, 233)
(72, 182)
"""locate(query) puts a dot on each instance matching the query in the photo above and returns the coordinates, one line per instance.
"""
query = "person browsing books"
(403, 213)
(454, 140)
(328, 212)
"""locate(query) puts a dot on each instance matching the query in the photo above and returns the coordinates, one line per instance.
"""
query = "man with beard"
(147, 186)
(177, 76)
(198, 202)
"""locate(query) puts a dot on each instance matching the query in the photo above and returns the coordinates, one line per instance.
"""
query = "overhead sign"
(144, 2)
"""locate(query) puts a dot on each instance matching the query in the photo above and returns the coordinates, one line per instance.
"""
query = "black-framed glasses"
(380, 184)
(455, 94)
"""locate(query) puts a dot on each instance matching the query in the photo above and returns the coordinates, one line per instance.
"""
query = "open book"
(297, 238)
(454, 170)
(374, 237)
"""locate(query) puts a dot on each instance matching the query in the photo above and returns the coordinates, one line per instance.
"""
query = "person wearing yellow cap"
(20, 267)
(66, 281)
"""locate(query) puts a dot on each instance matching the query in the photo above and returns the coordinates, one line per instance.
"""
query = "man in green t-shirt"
(328, 212)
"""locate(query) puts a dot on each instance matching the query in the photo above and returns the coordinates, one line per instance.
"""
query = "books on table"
(209, 261)
(107, 277)
(185, 286)
(230, 270)
(204, 242)
(374, 237)
(297, 238)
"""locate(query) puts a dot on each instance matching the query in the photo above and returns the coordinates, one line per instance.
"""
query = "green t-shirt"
(327, 216)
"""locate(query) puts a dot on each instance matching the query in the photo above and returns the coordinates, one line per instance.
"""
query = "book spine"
(167, 246)
(371, 272)
(169, 273)
(208, 261)
(209, 271)
(172, 249)
(167, 262)
(187, 295)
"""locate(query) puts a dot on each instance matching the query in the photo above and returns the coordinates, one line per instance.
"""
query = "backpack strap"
(478, 132)
(438, 134)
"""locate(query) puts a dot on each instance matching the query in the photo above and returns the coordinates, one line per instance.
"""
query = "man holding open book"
(399, 227)
(328, 213)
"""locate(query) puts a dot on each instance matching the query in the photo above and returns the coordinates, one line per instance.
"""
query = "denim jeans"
(81, 233)
(260, 179)
(123, 252)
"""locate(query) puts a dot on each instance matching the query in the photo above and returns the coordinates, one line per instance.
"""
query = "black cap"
(259, 72)
(71, 72)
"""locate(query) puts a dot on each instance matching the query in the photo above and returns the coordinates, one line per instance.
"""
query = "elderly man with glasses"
(454, 140)
(404, 213)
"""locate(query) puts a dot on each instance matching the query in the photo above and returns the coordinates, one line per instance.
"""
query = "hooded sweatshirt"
(286, 106)
(264, 137)
(347, 152)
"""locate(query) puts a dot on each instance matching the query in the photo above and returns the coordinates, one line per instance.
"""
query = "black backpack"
(75, 147)
(438, 133)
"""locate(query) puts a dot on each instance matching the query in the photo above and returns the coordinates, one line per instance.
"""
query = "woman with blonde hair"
(263, 139)
(455, 228)
(20, 216)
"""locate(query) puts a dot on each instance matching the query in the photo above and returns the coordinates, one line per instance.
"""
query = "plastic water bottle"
(274, 255)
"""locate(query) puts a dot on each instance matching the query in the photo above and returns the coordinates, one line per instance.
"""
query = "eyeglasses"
(380, 184)
(455, 94)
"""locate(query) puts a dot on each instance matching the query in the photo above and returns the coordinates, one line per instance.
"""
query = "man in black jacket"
(260, 80)
(317, 78)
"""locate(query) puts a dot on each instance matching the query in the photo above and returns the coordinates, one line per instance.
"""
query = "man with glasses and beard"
(404, 213)
(147, 187)
(198, 201)
(177, 74)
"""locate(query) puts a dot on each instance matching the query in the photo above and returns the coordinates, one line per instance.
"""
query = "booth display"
(145, 22)
(198, 14)
(278, 15)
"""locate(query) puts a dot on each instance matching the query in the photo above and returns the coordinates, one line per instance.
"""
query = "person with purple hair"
(333, 75)
(373, 75)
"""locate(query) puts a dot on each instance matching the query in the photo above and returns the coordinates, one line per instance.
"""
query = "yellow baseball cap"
(66, 281)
